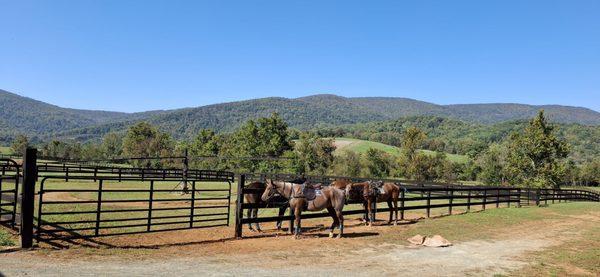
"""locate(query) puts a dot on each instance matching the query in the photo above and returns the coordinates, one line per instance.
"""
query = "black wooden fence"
(80, 201)
(413, 197)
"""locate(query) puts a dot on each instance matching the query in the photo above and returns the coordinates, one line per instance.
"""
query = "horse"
(363, 192)
(254, 198)
(369, 193)
(390, 193)
(304, 197)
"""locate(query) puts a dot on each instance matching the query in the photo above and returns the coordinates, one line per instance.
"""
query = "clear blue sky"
(142, 55)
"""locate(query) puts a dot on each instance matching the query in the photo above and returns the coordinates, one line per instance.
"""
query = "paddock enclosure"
(427, 198)
(50, 200)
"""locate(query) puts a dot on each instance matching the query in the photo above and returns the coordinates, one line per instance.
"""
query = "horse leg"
(297, 214)
(395, 211)
(331, 211)
(281, 213)
(366, 215)
(340, 219)
(370, 212)
(249, 215)
(389, 202)
(257, 224)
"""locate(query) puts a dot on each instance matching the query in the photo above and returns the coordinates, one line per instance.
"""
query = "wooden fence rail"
(416, 197)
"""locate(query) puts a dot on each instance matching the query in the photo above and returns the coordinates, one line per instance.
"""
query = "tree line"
(534, 157)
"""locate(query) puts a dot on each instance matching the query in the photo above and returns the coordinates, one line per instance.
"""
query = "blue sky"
(143, 55)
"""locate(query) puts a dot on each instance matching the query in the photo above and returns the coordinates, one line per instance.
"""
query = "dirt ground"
(377, 250)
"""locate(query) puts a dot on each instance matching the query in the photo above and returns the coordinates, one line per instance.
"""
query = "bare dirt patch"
(379, 250)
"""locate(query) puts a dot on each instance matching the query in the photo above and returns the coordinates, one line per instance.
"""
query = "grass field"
(6, 239)
(5, 150)
(361, 146)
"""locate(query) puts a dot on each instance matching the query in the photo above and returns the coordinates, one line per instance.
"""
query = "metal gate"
(83, 205)
(9, 191)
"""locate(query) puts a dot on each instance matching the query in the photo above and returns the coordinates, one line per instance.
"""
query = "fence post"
(28, 196)
(238, 207)
(98, 209)
(428, 203)
(450, 201)
(537, 197)
(469, 201)
(402, 194)
(150, 205)
(484, 199)
(193, 205)
(497, 198)
(519, 202)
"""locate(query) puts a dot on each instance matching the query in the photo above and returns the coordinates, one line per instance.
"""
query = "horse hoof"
(331, 235)
(338, 236)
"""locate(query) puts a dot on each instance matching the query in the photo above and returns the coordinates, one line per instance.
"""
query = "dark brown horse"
(303, 197)
(254, 198)
(369, 193)
(361, 192)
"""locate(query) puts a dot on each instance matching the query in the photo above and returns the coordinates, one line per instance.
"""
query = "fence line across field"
(123, 199)
(475, 196)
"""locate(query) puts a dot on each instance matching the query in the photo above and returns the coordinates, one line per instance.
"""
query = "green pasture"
(5, 150)
(362, 146)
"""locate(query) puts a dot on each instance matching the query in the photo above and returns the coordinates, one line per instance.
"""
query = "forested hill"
(44, 121)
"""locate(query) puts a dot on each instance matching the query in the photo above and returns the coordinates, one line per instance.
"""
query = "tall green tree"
(492, 163)
(146, 141)
(19, 144)
(205, 147)
(377, 163)
(347, 164)
(536, 156)
(112, 145)
(314, 155)
(412, 140)
(267, 137)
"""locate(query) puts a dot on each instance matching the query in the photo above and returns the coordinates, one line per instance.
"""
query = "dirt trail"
(367, 251)
(477, 257)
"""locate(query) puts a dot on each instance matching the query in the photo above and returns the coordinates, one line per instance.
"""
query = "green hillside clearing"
(361, 146)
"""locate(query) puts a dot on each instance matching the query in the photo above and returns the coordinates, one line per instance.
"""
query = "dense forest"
(535, 153)
(43, 122)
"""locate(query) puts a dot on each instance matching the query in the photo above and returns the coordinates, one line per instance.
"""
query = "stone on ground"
(436, 241)
(417, 239)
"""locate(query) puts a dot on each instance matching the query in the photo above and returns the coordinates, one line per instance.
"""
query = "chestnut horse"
(369, 193)
(329, 198)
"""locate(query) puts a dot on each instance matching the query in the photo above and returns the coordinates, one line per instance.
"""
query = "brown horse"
(303, 197)
(254, 198)
(369, 193)
(362, 192)
(390, 192)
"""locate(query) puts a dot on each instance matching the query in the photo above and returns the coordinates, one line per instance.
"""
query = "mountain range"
(43, 121)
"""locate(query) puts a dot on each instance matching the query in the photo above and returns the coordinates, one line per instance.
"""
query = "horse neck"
(283, 189)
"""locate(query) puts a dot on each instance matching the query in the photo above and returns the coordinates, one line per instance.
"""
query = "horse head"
(270, 190)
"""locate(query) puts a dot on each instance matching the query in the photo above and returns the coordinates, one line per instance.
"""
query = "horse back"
(254, 197)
